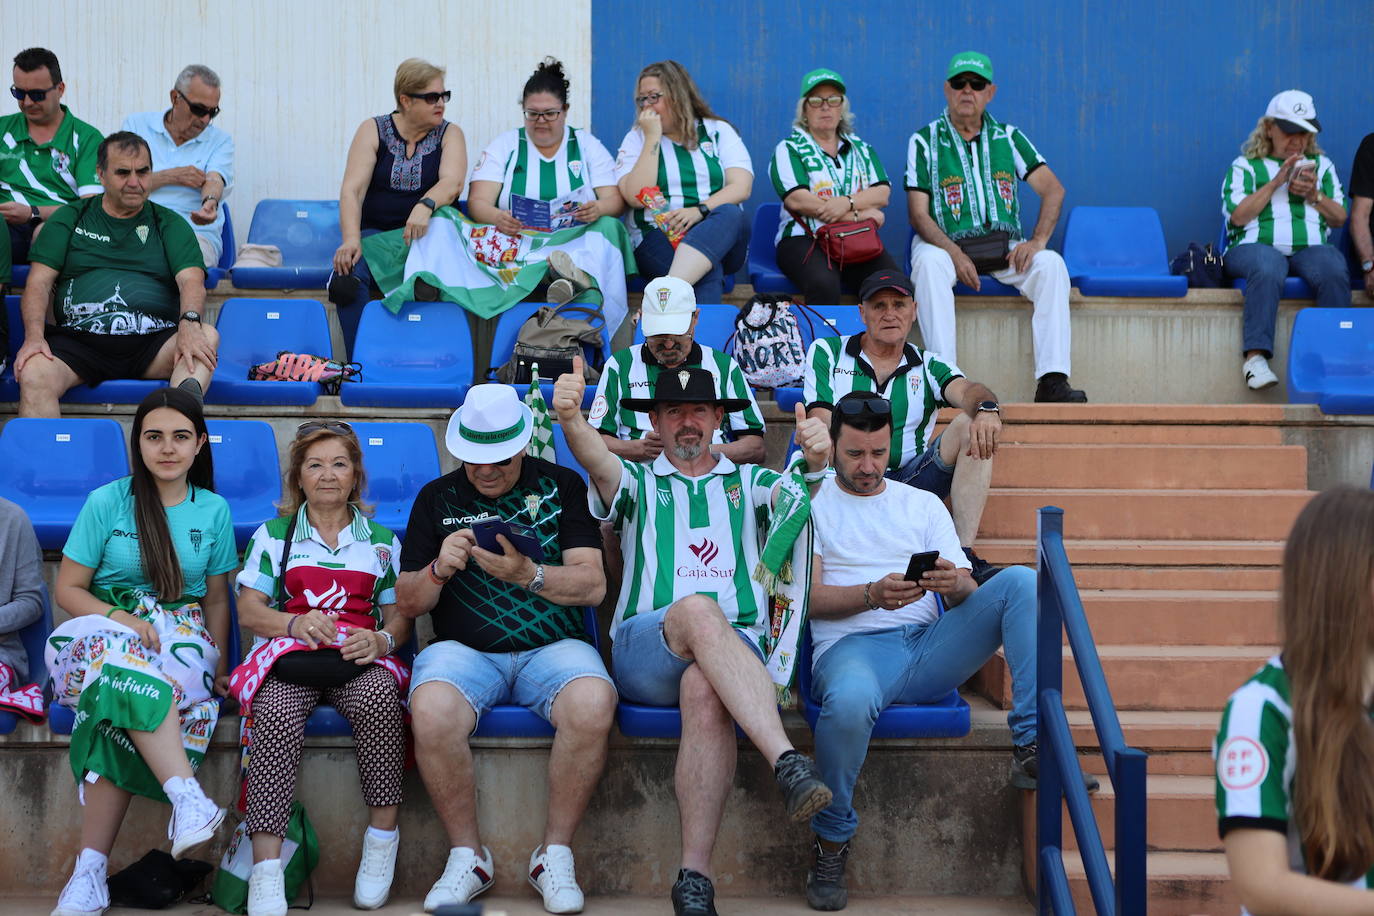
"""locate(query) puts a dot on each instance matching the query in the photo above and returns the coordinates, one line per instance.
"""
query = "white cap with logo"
(668, 306)
(1295, 112)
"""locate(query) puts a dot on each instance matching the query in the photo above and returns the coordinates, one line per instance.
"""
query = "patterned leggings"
(370, 702)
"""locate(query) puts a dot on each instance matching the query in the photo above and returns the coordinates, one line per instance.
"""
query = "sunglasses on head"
(337, 427)
(976, 83)
(853, 407)
(37, 95)
(197, 109)
(432, 98)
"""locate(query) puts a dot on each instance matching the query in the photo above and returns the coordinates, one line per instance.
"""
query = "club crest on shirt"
(383, 555)
(532, 501)
(732, 492)
(598, 410)
(61, 161)
(1242, 763)
(197, 537)
(576, 168)
(142, 233)
(481, 161)
(708, 148)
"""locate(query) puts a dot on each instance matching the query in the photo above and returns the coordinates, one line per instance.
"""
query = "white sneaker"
(86, 893)
(375, 871)
(194, 819)
(465, 876)
(561, 292)
(551, 873)
(562, 265)
(1258, 375)
(267, 889)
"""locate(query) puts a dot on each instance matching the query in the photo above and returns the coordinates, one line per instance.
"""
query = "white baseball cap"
(668, 306)
(492, 425)
(1295, 112)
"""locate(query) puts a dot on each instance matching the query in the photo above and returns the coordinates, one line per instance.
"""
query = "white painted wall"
(299, 75)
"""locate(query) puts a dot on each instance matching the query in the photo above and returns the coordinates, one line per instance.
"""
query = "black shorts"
(21, 237)
(97, 357)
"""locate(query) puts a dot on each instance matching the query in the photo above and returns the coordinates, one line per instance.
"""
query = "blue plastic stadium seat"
(420, 357)
(33, 636)
(564, 456)
(51, 466)
(637, 284)
(1119, 251)
(1331, 360)
(306, 231)
(1293, 287)
(247, 472)
(226, 256)
(987, 285)
(19, 275)
(840, 321)
(715, 327)
(9, 388)
(400, 459)
(764, 272)
(253, 331)
(508, 325)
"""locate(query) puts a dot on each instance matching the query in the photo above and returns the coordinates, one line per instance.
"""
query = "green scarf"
(784, 570)
(958, 210)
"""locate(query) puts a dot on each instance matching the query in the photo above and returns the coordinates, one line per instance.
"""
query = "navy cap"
(885, 279)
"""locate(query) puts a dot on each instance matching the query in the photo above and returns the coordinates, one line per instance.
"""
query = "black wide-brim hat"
(685, 386)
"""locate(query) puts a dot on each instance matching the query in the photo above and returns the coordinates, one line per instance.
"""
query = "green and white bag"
(300, 851)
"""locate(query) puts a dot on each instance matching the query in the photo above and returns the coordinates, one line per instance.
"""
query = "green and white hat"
(491, 426)
(974, 62)
(821, 75)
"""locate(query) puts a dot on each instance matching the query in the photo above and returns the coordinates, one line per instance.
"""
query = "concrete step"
(1181, 817)
(1222, 415)
(1181, 618)
(1127, 434)
(1145, 553)
(1179, 742)
(1148, 514)
(1199, 578)
(1179, 884)
(1145, 467)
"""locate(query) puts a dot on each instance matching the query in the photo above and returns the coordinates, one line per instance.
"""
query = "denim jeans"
(864, 672)
(926, 471)
(723, 237)
(351, 313)
(1264, 270)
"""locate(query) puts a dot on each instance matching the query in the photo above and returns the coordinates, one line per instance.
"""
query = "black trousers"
(819, 282)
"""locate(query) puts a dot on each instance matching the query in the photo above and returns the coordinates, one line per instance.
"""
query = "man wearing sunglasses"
(962, 171)
(193, 161)
(47, 155)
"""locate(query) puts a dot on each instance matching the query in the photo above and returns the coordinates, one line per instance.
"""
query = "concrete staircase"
(1174, 522)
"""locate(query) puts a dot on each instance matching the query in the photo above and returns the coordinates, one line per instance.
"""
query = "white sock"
(175, 786)
(381, 834)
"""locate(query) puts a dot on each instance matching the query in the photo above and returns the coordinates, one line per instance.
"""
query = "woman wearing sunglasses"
(699, 164)
(318, 591)
(825, 175)
(401, 167)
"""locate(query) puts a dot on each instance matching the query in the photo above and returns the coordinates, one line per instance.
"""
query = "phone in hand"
(523, 538)
(921, 563)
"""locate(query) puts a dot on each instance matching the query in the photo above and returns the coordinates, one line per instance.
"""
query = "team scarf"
(26, 701)
(541, 442)
(959, 209)
(784, 570)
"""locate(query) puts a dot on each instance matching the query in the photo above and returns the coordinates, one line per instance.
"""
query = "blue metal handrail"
(1060, 784)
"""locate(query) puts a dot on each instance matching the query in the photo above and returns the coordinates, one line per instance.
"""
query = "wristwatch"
(988, 407)
(1366, 267)
(35, 217)
(192, 316)
(429, 202)
(537, 583)
(704, 210)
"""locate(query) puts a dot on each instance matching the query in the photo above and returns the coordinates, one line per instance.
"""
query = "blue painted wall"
(1131, 103)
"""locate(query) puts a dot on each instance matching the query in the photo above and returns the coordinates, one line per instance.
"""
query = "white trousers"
(1046, 285)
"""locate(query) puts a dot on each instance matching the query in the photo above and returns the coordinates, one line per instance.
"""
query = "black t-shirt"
(1362, 174)
(476, 609)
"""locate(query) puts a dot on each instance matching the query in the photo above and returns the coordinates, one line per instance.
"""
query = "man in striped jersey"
(668, 318)
(958, 464)
(691, 621)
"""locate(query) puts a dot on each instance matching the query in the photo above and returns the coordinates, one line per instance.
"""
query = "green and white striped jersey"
(1256, 761)
(515, 162)
(691, 536)
(686, 177)
(799, 162)
(1289, 223)
(56, 172)
(836, 366)
(632, 373)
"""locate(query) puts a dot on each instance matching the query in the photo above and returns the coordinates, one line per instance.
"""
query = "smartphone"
(921, 563)
(523, 538)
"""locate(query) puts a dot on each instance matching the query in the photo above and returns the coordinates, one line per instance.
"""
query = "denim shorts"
(646, 670)
(532, 678)
(927, 472)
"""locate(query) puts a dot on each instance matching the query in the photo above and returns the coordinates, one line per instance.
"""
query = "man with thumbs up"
(694, 626)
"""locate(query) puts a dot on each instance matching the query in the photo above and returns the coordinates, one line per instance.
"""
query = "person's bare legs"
(582, 716)
(164, 365)
(705, 767)
(41, 383)
(442, 719)
(162, 749)
(102, 815)
(689, 264)
(968, 493)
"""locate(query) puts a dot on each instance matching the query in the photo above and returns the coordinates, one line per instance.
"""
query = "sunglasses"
(976, 83)
(432, 98)
(200, 111)
(37, 95)
(816, 101)
(649, 98)
(853, 407)
(503, 463)
(551, 115)
(337, 427)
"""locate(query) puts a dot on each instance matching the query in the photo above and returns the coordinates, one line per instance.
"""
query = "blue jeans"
(646, 670)
(1264, 270)
(927, 471)
(351, 312)
(864, 672)
(723, 237)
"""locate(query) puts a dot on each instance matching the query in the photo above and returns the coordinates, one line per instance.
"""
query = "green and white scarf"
(784, 570)
(959, 208)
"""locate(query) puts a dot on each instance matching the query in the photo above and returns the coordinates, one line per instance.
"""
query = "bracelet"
(288, 626)
(814, 476)
(390, 642)
(203, 200)
(867, 600)
(434, 573)
(111, 611)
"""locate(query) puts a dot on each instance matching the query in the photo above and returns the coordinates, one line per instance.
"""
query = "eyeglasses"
(853, 407)
(37, 95)
(550, 115)
(648, 98)
(816, 101)
(432, 98)
(976, 83)
(504, 462)
(200, 111)
(338, 427)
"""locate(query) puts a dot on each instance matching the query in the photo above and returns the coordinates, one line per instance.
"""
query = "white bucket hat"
(492, 425)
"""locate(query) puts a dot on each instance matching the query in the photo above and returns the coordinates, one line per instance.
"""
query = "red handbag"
(845, 242)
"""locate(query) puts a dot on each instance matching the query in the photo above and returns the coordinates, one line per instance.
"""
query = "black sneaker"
(344, 289)
(424, 291)
(802, 789)
(825, 888)
(693, 894)
(982, 569)
(1054, 387)
(1025, 769)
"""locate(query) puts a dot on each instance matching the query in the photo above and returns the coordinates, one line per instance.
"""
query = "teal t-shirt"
(105, 538)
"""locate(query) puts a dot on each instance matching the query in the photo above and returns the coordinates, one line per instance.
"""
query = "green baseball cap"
(970, 62)
(821, 75)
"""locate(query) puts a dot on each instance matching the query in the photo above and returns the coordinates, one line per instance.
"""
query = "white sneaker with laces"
(562, 265)
(552, 874)
(267, 889)
(195, 819)
(465, 876)
(1258, 375)
(86, 893)
(375, 870)
(561, 292)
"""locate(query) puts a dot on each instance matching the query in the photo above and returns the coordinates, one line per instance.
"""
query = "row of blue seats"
(1331, 360)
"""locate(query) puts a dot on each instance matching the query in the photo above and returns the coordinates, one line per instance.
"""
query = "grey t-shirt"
(21, 577)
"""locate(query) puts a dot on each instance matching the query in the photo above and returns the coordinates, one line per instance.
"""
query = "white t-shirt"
(863, 538)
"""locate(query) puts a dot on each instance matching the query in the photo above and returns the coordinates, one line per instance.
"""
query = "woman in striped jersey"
(546, 160)
(679, 145)
(1295, 751)
(1281, 198)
